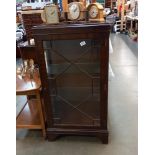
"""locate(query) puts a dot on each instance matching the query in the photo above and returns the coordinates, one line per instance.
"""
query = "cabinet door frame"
(46, 35)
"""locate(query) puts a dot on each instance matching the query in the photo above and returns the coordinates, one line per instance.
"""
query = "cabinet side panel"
(104, 58)
(43, 76)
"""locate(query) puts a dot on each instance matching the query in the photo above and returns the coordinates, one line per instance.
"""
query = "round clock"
(74, 10)
(93, 12)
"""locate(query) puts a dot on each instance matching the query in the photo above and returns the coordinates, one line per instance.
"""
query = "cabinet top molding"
(64, 28)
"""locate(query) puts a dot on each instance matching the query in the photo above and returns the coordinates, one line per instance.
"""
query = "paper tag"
(82, 43)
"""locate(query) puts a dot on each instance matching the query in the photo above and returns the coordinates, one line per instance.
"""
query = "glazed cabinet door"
(73, 75)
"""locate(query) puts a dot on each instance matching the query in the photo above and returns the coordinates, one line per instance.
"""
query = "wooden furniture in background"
(118, 7)
(18, 54)
(113, 4)
(27, 51)
(73, 61)
(31, 18)
(64, 5)
(31, 116)
(108, 3)
(122, 14)
(131, 20)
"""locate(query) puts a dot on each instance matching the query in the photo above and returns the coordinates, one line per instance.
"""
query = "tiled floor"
(123, 111)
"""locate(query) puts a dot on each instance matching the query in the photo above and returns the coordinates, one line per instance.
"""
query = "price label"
(82, 43)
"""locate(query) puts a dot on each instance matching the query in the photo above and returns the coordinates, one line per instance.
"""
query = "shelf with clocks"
(74, 11)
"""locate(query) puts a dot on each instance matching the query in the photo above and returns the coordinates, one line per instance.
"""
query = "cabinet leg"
(103, 138)
(44, 133)
(52, 137)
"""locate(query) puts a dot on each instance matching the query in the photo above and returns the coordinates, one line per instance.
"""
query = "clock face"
(74, 11)
(93, 12)
(51, 14)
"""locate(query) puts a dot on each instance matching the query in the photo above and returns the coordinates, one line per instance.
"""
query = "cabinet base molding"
(54, 133)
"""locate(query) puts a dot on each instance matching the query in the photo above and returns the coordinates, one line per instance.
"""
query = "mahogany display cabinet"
(73, 61)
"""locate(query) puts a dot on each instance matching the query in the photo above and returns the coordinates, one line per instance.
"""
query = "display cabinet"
(73, 61)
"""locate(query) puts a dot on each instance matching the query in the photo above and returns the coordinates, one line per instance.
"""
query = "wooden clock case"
(100, 16)
(82, 11)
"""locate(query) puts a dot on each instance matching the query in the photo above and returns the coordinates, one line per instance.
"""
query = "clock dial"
(93, 12)
(51, 13)
(74, 11)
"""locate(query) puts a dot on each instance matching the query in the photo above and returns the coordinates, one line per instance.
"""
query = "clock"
(50, 14)
(95, 12)
(76, 11)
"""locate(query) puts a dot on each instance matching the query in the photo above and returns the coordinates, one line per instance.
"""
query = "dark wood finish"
(75, 96)
(108, 3)
(27, 51)
(31, 116)
(18, 55)
(30, 20)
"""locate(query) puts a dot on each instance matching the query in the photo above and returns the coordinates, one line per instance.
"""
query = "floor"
(123, 113)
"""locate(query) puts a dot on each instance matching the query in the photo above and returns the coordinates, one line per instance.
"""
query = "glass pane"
(73, 68)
